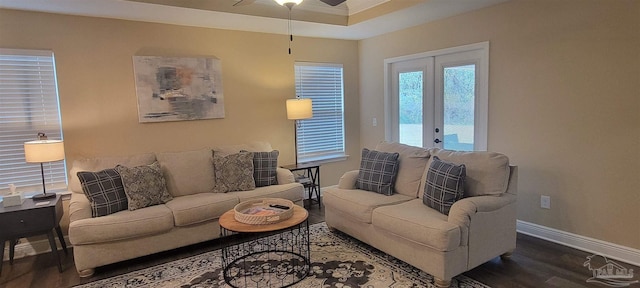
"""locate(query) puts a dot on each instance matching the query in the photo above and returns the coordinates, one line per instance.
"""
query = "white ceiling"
(119, 9)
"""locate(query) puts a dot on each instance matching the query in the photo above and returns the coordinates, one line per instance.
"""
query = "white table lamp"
(41, 151)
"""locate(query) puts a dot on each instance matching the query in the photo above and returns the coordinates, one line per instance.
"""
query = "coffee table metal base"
(268, 259)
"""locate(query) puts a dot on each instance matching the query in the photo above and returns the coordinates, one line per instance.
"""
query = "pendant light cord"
(290, 30)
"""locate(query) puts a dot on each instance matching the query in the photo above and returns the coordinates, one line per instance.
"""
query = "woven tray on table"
(262, 212)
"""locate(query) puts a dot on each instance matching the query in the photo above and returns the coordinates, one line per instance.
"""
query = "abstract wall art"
(178, 88)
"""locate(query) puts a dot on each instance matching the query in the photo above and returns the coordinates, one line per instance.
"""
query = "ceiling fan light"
(291, 2)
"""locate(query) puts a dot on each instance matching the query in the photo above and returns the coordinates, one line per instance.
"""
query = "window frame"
(324, 108)
(30, 105)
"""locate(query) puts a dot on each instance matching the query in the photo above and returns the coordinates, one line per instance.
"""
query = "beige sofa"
(478, 228)
(191, 217)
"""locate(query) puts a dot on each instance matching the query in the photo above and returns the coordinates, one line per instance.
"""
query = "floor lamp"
(298, 109)
(41, 151)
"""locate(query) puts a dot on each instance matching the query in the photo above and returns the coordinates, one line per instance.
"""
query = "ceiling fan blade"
(244, 2)
(333, 2)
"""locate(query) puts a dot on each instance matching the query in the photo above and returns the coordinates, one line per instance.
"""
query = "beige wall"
(563, 104)
(563, 95)
(97, 88)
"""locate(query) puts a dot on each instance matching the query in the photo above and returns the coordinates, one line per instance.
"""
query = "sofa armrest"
(79, 207)
(348, 180)
(284, 176)
(487, 225)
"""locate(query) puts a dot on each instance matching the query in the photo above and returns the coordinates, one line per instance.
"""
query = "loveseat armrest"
(463, 211)
(284, 176)
(487, 225)
(348, 180)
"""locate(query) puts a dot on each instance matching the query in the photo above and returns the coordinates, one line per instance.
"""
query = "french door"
(439, 99)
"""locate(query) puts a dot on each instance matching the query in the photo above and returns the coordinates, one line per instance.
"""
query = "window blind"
(321, 137)
(28, 105)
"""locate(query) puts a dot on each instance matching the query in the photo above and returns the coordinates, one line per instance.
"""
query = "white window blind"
(28, 105)
(321, 137)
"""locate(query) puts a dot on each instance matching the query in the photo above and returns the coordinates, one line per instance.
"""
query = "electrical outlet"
(375, 122)
(545, 202)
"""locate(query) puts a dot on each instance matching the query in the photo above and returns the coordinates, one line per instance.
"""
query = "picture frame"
(178, 88)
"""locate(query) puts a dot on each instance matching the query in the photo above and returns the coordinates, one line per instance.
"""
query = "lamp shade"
(43, 151)
(299, 109)
(282, 2)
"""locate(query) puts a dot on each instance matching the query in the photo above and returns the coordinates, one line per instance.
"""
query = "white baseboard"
(32, 248)
(610, 250)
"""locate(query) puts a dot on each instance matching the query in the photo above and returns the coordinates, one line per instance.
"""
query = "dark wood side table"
(312, 172)
(31, 219)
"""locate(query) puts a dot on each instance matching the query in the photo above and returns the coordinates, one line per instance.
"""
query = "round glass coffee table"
(272, 255)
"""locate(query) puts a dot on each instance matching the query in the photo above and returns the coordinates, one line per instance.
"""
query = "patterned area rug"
(337, 260)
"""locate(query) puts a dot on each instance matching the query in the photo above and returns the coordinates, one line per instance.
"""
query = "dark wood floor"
(535, 263)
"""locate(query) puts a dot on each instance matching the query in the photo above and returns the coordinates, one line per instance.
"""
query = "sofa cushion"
(234, 172)
(378, 171)
(188, 172)
(105, 191)
(97, 164)
(359, 203)
(487, 172)
(444, 186)
(265, 165)
(202, 207)
(121, 225)
(144, 185)
(418, 223)
(411, 165)
(292, 191)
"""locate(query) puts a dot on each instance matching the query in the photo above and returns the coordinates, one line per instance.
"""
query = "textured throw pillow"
(378, 171)
(444, 186)
(104, 190)
(265, 165)
(144, 185)
(234, 172)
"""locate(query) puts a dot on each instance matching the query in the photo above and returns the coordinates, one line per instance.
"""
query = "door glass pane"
(410, 114)
(459, 99)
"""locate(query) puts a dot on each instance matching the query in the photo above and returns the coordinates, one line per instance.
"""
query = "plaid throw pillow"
(378, 171)
(265, 165)
(104, 190)
(444, 186)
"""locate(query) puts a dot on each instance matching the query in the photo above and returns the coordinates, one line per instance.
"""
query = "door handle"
(437, 141)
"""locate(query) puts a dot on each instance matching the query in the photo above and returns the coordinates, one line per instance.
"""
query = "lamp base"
(40, 197)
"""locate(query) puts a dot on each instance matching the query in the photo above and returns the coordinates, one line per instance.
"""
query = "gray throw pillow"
(144, 185)
(378, 171)
(234, 172)
(265, 165)
(444, 185)
(104, 190)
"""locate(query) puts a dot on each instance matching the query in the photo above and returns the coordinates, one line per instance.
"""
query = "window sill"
(327, 160)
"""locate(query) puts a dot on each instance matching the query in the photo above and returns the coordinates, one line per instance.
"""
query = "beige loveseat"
(191, 217)
(478, 228)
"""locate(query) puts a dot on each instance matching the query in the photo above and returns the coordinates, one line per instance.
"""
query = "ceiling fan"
(290, 2)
